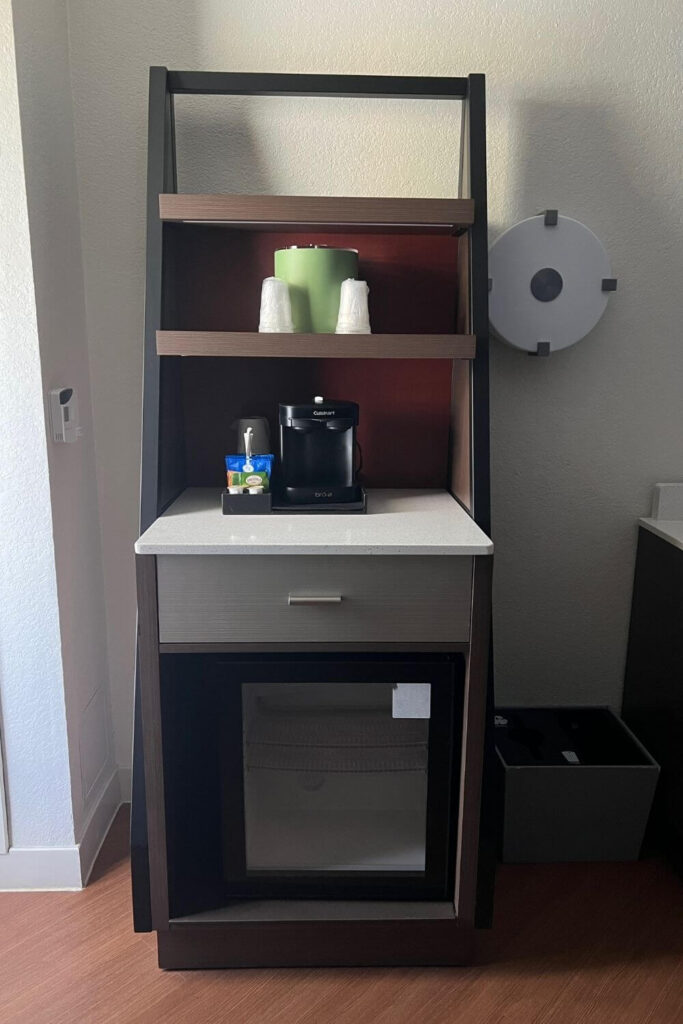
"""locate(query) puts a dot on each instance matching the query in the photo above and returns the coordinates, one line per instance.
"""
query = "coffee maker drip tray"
(354, 504)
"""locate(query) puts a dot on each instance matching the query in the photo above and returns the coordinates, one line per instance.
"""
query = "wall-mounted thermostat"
(550, 279)
(64, 415)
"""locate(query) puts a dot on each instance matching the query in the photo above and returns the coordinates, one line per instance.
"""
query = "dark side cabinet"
(653, 684)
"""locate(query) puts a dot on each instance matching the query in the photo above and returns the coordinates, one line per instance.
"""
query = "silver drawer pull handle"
(314, 599)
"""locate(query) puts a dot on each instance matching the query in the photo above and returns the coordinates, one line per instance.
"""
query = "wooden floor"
(571, 944)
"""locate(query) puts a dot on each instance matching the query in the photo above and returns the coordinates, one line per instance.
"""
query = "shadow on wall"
(590, 162)
(579, 438)
(217, 150)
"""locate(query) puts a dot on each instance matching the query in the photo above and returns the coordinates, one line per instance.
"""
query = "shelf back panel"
(404, 411)
(213, 275)
(212, 282)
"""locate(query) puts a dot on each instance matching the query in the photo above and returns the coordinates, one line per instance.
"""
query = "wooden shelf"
(316, 346)
(320, 910)
(301, 213)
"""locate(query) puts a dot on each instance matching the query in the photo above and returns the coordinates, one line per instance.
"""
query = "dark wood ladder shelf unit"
(421, 383)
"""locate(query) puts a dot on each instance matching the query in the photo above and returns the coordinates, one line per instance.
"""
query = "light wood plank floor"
(572, 944)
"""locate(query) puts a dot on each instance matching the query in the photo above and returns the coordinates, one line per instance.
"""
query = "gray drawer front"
(246, 599)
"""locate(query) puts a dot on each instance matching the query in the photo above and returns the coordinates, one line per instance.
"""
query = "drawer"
(313, 599)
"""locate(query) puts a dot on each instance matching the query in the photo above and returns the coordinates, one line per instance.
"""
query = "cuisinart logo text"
(324, 412)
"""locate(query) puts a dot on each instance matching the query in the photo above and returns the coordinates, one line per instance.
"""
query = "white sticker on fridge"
(411, 700)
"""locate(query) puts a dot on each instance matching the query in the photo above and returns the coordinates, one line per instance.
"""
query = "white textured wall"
(42, 56)
(31, 685)
(582, 115)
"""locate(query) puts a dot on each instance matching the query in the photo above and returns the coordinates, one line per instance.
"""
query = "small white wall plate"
(64, 415)
(550, 279)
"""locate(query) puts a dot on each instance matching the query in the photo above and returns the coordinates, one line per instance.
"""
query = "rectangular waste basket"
(577, 785)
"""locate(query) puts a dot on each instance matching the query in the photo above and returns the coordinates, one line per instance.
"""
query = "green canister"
(314, 274)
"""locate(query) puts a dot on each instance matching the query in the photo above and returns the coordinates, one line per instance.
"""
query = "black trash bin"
(577, 785)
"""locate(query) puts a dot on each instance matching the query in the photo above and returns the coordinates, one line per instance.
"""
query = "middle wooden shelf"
(316, 346)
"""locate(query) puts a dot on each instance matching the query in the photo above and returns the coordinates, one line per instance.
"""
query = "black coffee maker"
(317, 454)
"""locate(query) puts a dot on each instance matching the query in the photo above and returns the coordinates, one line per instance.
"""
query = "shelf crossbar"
(229, 83)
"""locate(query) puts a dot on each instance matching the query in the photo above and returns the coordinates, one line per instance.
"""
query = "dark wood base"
(438, 943)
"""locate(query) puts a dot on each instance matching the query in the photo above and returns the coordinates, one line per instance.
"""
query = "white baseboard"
(66, 867)
(47, 867)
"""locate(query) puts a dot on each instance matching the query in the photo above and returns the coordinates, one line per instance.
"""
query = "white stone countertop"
(397, 522)
(667, 514)
(667, 529)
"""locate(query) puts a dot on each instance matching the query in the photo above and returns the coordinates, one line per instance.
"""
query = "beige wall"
(32, 712)
(582, 111)
(43, 73)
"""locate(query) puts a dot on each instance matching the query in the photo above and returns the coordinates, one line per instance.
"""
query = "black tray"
(246, 504)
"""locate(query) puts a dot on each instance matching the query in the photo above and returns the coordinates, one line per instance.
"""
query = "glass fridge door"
(341, 786)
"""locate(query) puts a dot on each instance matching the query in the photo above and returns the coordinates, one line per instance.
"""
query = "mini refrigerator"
(312, 776)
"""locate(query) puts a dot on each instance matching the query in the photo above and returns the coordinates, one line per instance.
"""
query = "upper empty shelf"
(440, 216)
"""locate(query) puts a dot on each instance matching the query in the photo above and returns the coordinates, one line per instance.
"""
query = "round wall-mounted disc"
(547, 283)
